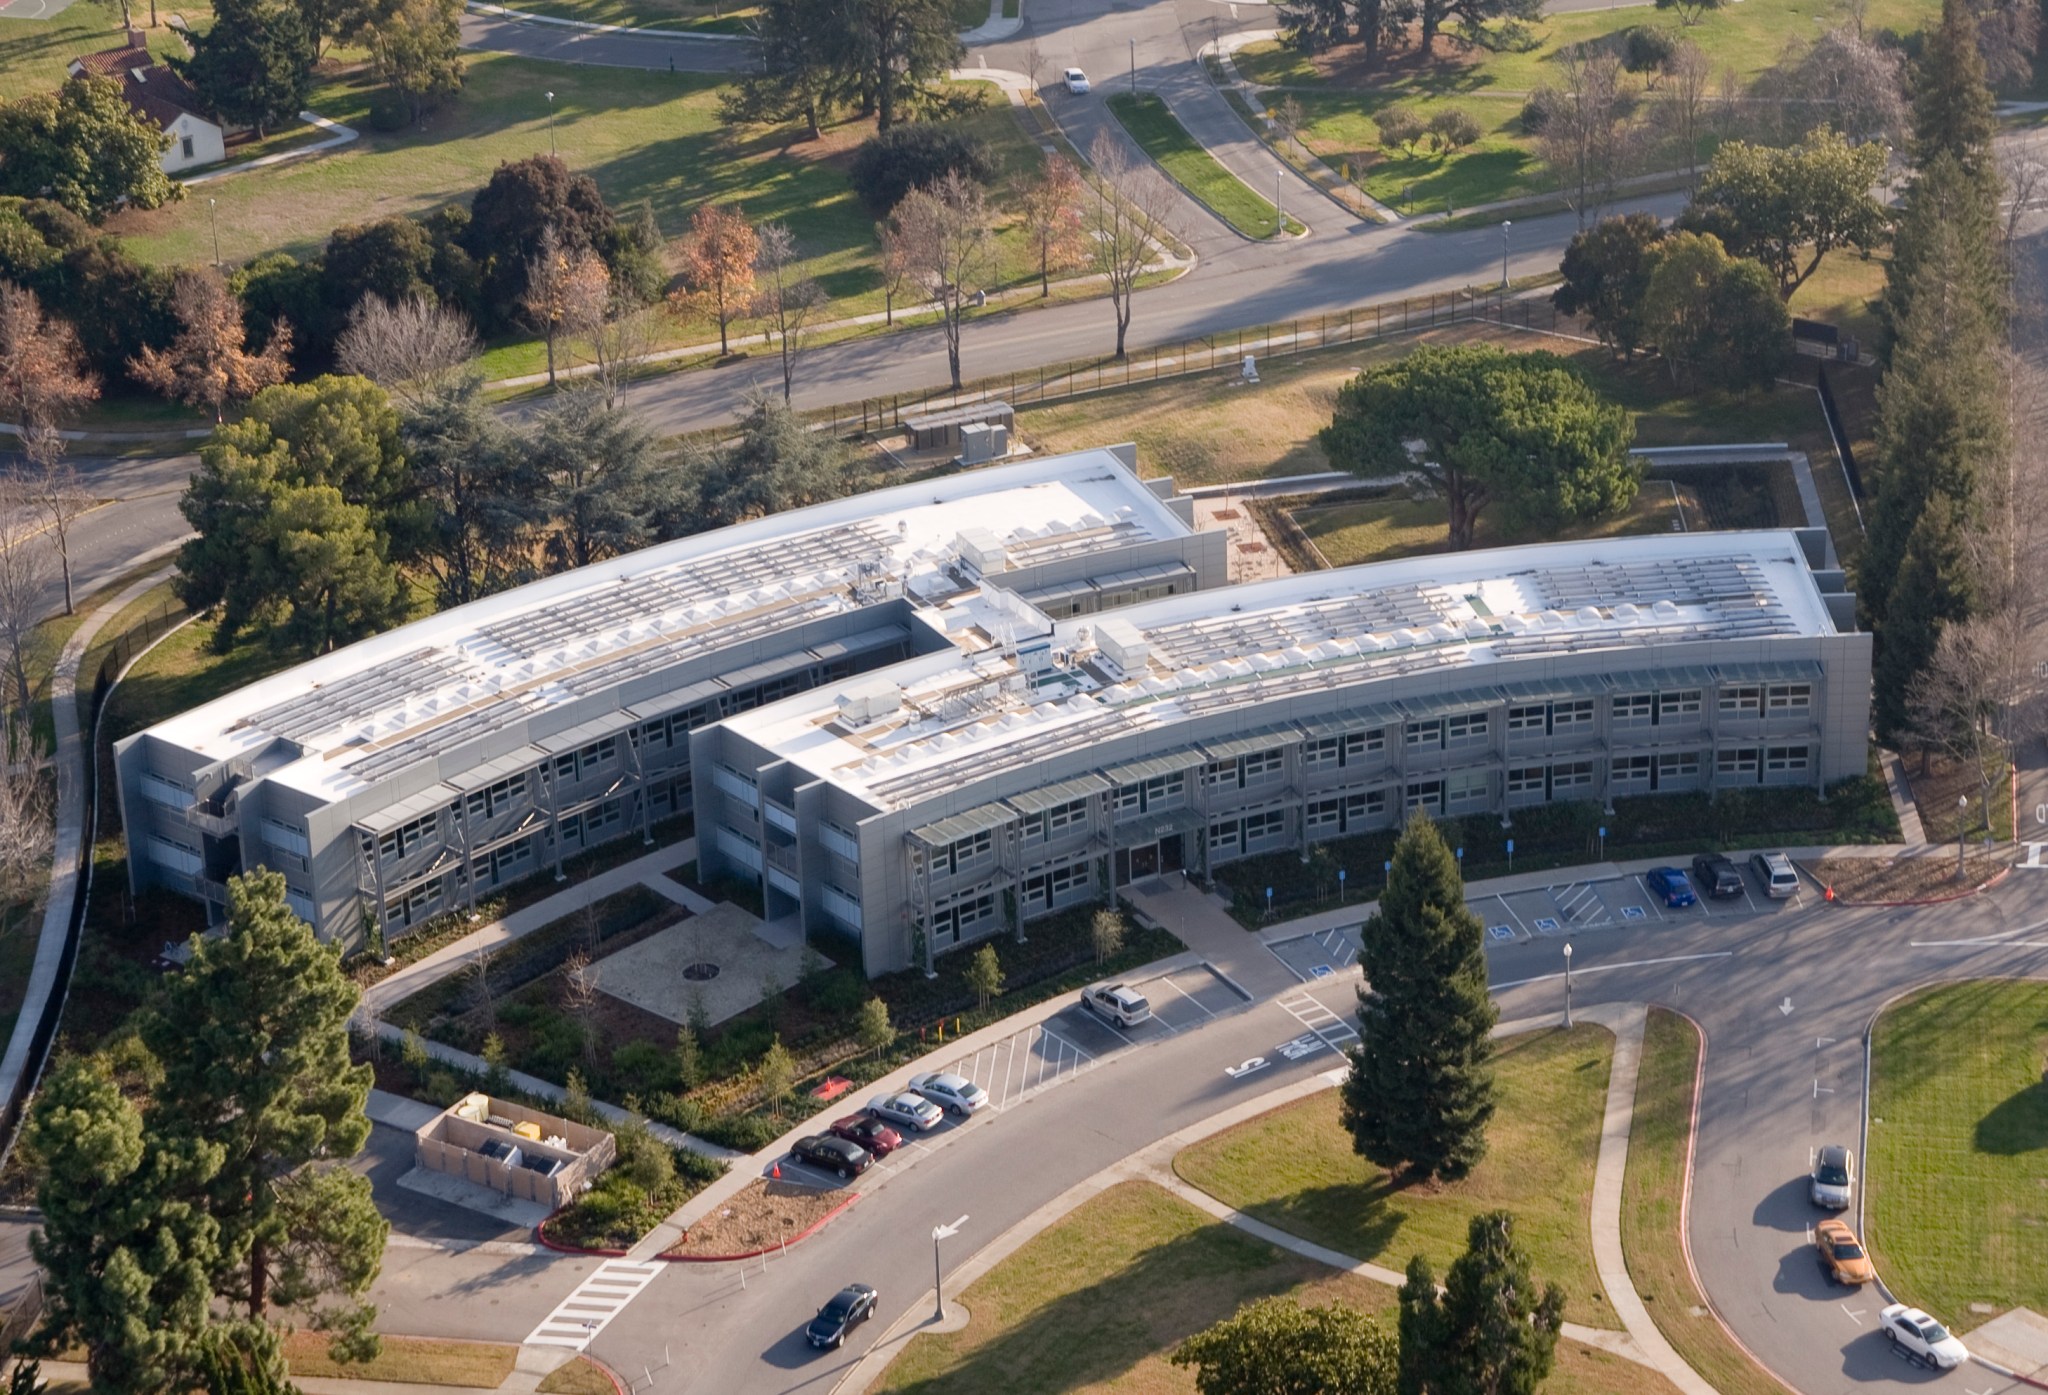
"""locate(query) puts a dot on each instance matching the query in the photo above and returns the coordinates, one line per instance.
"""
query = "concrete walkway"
(339, 135)
(1640, 1342)
(69, 760)
(530, 1367)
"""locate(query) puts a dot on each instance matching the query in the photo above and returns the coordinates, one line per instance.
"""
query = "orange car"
(1842, 1259)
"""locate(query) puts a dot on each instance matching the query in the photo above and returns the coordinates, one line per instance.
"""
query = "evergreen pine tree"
(253, 1036)
(1489, 1332)
(1420, 1091)
(1953, 111)
(255, 64)
(1934, 588)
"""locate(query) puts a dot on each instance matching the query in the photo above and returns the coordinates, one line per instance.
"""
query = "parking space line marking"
(1168, 980)
(1511, 913)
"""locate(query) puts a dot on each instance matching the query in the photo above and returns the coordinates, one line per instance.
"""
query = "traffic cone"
(776, 1172)
(1830, 891)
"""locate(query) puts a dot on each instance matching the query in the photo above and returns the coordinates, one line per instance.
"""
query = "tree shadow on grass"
(2017, 1124)
(1092, 1335)
(1916, 1040)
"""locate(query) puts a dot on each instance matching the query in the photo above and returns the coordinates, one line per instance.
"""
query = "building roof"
(149, 88)
(961, 719)
(362, 714)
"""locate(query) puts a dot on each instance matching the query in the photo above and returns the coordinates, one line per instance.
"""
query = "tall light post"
(1962, 813)
(1134, 67)
(213, 217)
(940, 1232)
(1567, 985)
(1505, 224)
(551, 124)
(1279, 213)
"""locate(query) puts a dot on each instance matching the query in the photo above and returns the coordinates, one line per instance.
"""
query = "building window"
(1532, 717)
(1425, 734)
(1570, 775)
(1635, 709)
(1789, 699)
(1741, 701)
(840, 842)
(1159, 792)
(1527, 779)
(1629, 770)
(171, 795)
(406, 839)
(1063, 817)
(1324, 817)
(285, 838)
(736, 785)
(963, 853)
(1329, 751)
(1565, 716)
(1223, 837)
(185, 150)
(1737, 761)
(842, 906)
(1359, 744)
(300, 903)
(1465, 728)
(1129, 799)
(1679, 765)
(1466, 788)
(490, 802)
(1263, 826)
(1427, 795)
(950, 924)
(1782, 759)
(1220, 774)
(740, 848)
(1364, 810)
(1685, 703)
(176, 856)
(1058, 886)
(1261, 766)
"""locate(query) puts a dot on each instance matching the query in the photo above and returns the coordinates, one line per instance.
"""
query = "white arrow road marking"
(1820, 1089)
(578, 1319)
(1786, 1007)
(1819, 1042)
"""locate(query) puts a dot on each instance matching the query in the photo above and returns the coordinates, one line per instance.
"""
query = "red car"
(869, 1132)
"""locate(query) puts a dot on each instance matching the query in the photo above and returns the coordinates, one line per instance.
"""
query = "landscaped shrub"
(1647, 49)
(644, 1068)
(1453, 129)
(1537, 111)
(902, 158)
(1399, 127)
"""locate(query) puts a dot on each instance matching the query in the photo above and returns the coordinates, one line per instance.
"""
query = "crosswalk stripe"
(602, 1296)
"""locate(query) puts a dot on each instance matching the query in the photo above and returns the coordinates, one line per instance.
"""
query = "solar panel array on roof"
(356, 697)
(1024, 550)
(471, 726)
(642, 599)
(1194, 643)
(1690, 580)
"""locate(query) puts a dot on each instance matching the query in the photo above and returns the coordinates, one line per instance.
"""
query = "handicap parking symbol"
(1547, 924)
(1322, 971)
(1501, 932)
(1631, 912)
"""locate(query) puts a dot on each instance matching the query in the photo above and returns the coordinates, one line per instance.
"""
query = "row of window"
(582, 764)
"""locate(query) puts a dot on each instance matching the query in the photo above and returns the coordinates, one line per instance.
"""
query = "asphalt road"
(138, 513)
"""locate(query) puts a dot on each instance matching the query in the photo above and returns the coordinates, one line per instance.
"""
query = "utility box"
(977, 443)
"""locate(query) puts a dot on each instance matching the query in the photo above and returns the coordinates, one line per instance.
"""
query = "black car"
(851, 1305)
(832, 1154)
(1716, 875)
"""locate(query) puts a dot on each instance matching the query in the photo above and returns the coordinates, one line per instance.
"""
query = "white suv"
(1776, 872)
(1126, 1007)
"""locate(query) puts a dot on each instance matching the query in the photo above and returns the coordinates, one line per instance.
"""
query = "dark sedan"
(1717, 876)
(832, 1154)
(869, 1132)
(846, 1310)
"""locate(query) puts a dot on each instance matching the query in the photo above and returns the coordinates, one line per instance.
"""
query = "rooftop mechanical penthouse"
(957, 795)
(405, 775)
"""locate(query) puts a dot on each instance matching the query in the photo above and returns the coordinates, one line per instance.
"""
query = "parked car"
(1076, 81)
(1717, 876)
(1114, 1002)
(1776, 872)
(1842, 1260)
(1669, 885)
(1922, 1338)
(1834, 1177)
(906, 1110)
(842, 1312)
(832, 1153)
(869, 1132)
(954, 1093)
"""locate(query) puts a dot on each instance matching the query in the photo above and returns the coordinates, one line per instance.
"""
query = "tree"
(2008, 39)
(800, 57)
(888, 166)
(416, 50)
(1684, 102)
(563, 288)
(1420, 1091)
(1277, 1347)
(618, 334)
(43, 380)
(1952, 105)
(1399, 127)
(1589, 136)
(646, 1162)
(1451, 128)
(510, 215)
(785, 297)
(1128, 220)
(1607, 272)
(689, 1057)
(26, 817)
(126, 1254)
(777, 1075)
(480, 492)
(1106, 934)
(207, 365)
(1314, 25)
(1933, 589)
(776, 463)
(414, 348)
(1774, 205)
(1953, 700)
(892, 48)
(334, 578)
(1050, 209)
(873, 1029)
(985, 975)
(1689, 11)
(83, 147)
(896, 268)
(1710, 316)
(718, 255)
(1481, 23)
(24, 588)
(1846, 81)
(253, 1037)
(579, 1000)
(1521, 430)
(254, 64)
(602, 486)
(947, 236)
(391, 259)
(1489, 1332)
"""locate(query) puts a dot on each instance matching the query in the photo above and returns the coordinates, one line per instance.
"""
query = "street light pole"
(1962, 813)
(551, 123)
(1279, 212)
(1567, 985)
(1505, 224)
(1134, 67)
(940, 1232)
(213, 217)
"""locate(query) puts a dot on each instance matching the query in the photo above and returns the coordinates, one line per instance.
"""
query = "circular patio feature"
(700, 972)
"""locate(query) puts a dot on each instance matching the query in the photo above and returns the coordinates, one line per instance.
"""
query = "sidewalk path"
(69, 759)
(342, 136)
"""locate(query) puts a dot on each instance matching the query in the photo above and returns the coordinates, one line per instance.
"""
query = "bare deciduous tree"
(784, 295)
(1034, 64)
(1590, 137)
(617, 339)
(207, 365)
(482, 993)
(1050, 207)
(26, 818)
(413, 349)
(43, 377)
(1129, 221)
(52, 487)
(1952, 701)
(579, 999)
(1839, 80)
(2023, 160)
(946, 237)
(24, 584)
(565, 286)
(1684, 105)
(895, 270)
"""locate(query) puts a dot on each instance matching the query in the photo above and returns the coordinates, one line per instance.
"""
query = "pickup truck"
(1115, 1003)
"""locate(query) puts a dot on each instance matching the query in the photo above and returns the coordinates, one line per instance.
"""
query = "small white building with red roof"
(162, 98)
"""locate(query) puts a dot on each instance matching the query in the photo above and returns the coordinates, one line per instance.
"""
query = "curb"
(609, 1374)
(806, 1233)
(540, 1233)
(680, 35)
(1984, 885)
(2008, 1374)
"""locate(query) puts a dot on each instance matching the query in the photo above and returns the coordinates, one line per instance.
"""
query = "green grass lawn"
(1162, 137)
(1295, 1169)
(1378, 530)
(641, 135)
(183, 672)
(1954, 1197)
(1097, 1300)
(681, 15)
(35, 52)
(1652, 1191)
(1339, 99)
(1844, 292)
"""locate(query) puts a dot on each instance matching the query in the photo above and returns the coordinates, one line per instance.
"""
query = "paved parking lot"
(1571, 908)
(1324, 954)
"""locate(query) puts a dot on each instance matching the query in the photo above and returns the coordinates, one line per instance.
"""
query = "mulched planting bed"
(761, 1216)
(1921, 876)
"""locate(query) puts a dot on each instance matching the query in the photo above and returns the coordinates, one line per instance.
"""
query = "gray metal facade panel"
(1052, 796)
(1151, 767)
(953, 828)
(1264, 739)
